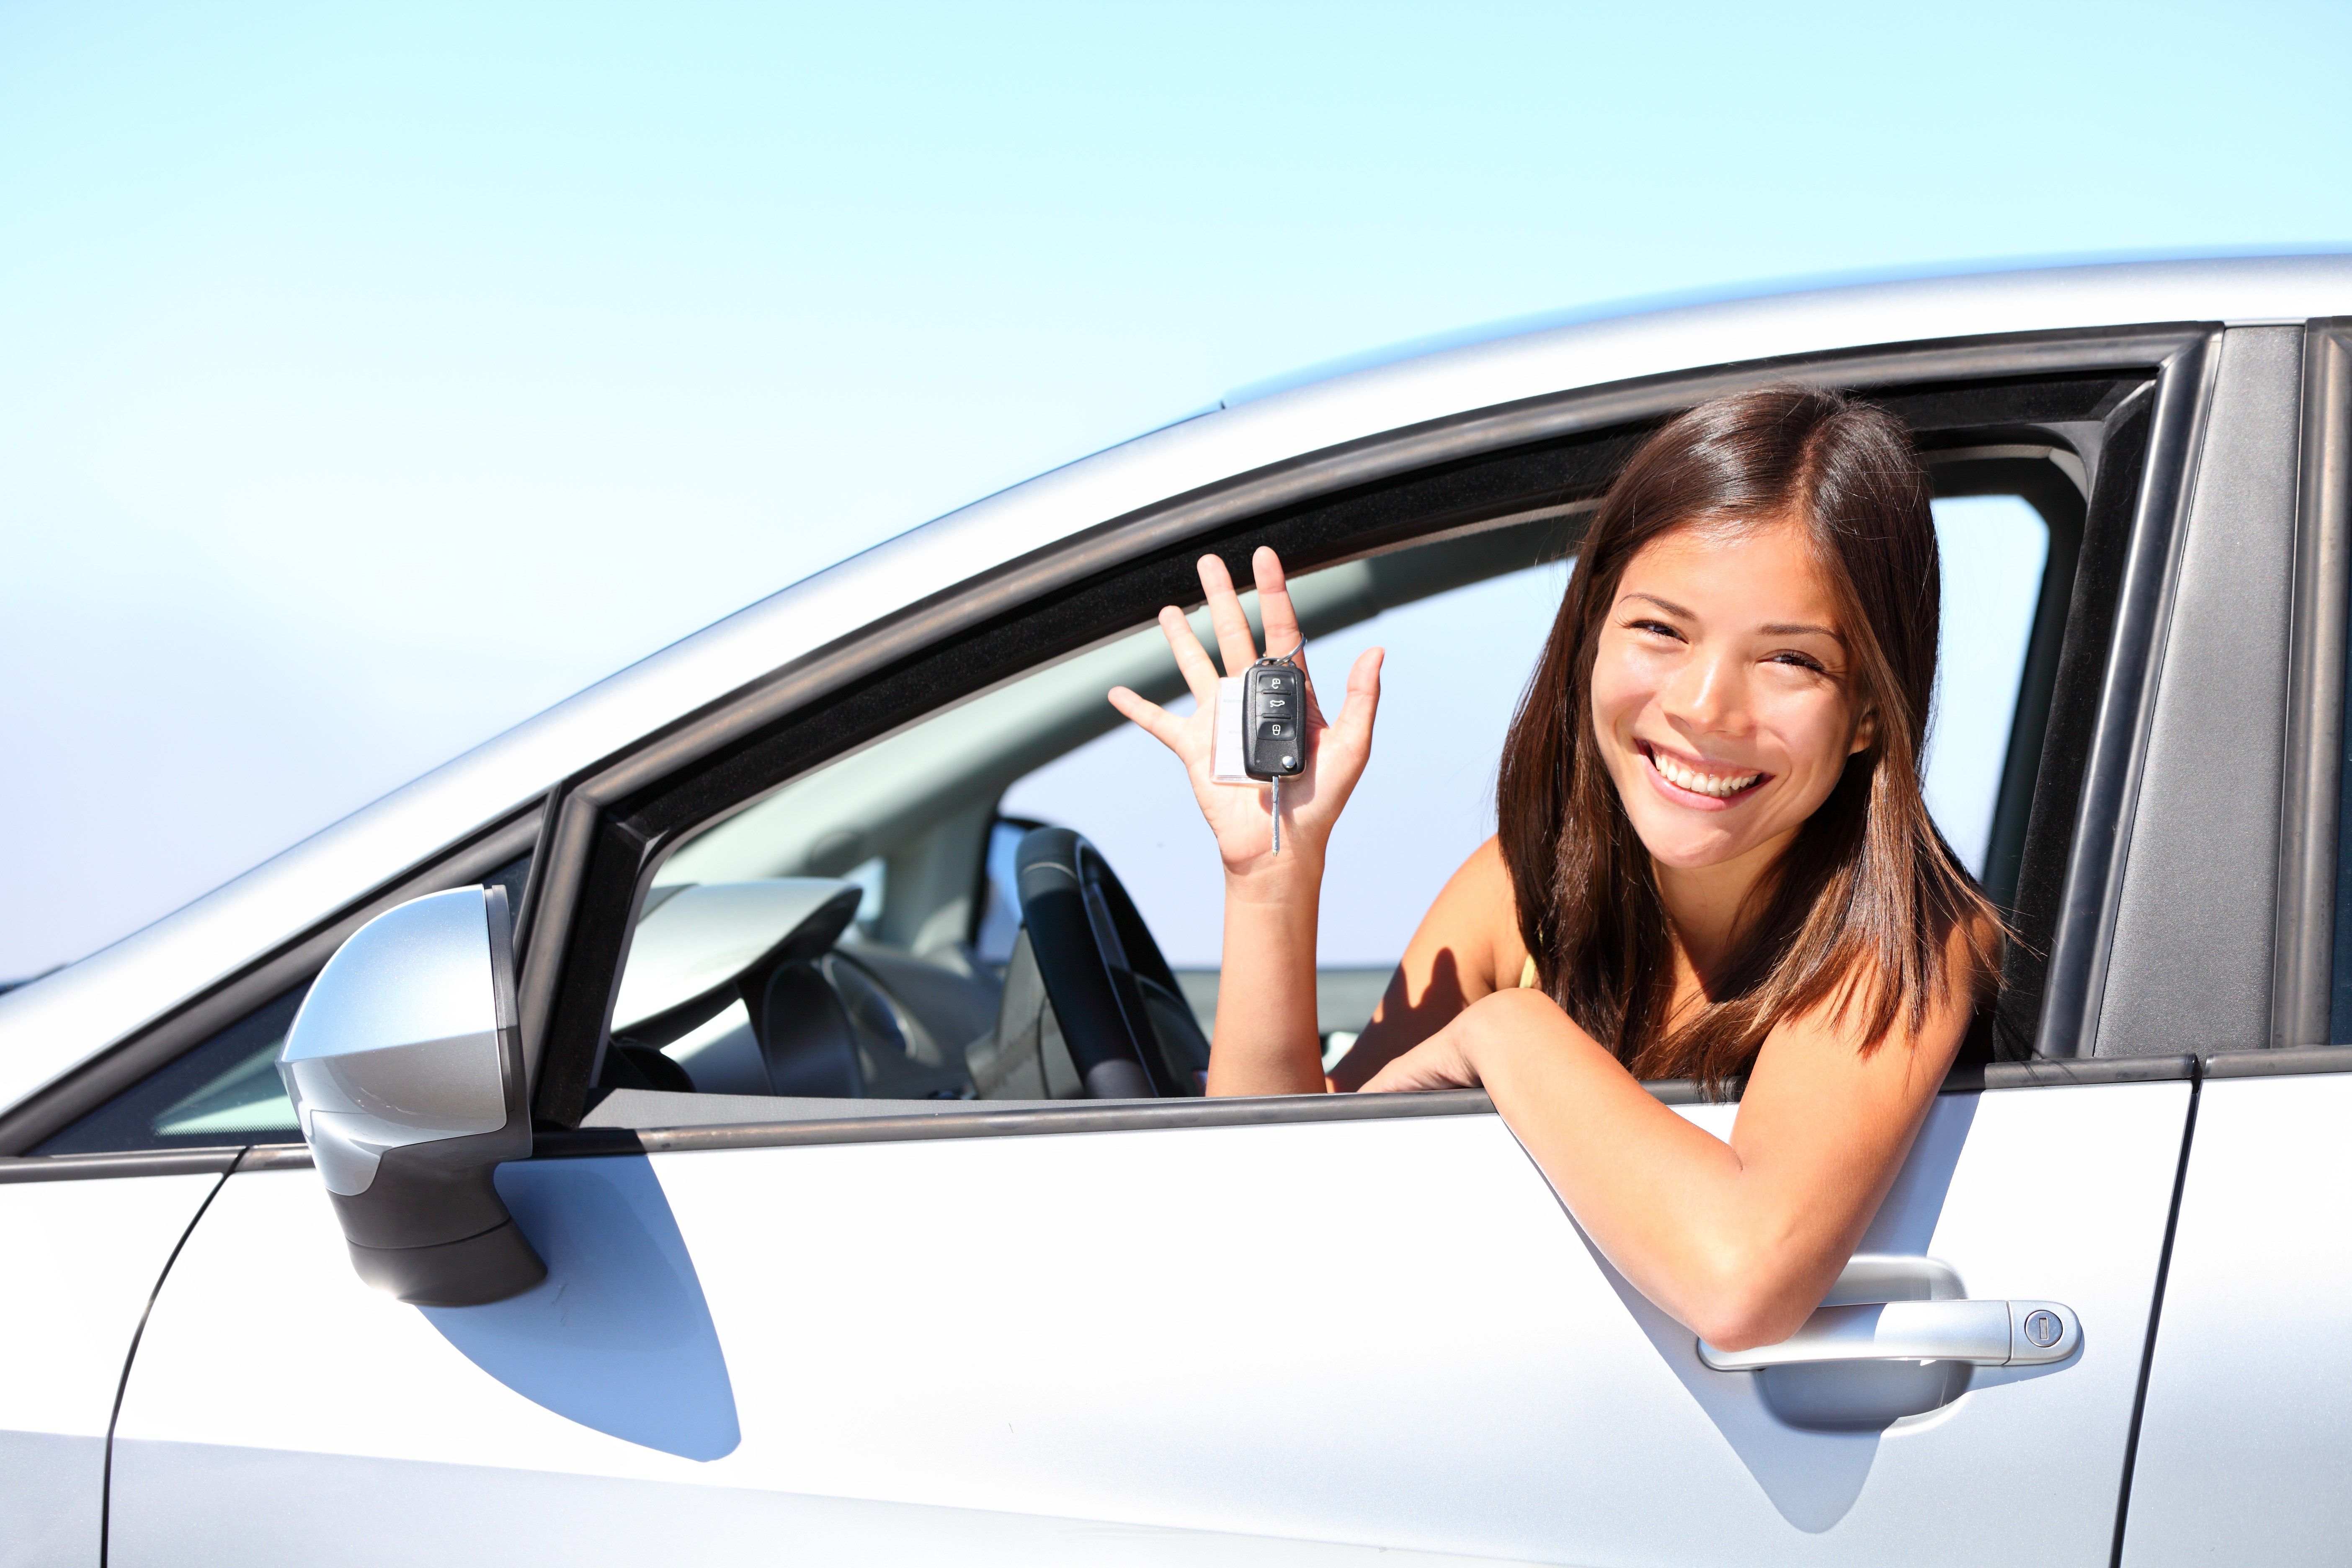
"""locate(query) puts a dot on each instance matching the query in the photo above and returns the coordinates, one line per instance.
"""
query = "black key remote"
(1273, 727)
(1274, 730)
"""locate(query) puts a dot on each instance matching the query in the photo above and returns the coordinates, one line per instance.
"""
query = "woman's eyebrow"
(1774, 629)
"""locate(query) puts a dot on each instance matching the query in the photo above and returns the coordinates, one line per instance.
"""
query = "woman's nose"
(1705, 694)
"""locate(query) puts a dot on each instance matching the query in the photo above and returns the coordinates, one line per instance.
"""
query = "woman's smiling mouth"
(1713, 788)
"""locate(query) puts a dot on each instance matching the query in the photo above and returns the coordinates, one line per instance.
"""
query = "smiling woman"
(1714, 861)
(1759, 610)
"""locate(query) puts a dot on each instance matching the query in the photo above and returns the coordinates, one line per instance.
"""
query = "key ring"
(1297, 648)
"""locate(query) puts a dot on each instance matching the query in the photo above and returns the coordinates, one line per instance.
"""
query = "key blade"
(1277, 814)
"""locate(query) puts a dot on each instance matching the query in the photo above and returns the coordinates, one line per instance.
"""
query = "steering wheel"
(1130, 1034)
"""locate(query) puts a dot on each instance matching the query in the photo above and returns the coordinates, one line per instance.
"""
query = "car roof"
(53, 1025)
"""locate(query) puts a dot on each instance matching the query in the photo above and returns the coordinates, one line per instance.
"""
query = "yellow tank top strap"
(1528, 973)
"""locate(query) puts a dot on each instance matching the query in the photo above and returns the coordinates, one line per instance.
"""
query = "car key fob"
(1274, 728)
(1261, 730)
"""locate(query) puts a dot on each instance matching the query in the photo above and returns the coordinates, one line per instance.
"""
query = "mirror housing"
(405, 1069)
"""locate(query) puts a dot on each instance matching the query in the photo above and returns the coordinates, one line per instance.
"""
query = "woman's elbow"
(1738, 1325)
(1744, 1305)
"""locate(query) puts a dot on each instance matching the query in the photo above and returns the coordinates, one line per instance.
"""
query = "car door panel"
(2245, 1450)
(336, 1394)
(67, 1316)
(1468, 1376)
(1381, 1333)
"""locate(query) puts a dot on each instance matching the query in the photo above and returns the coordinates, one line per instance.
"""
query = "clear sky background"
(372, 377)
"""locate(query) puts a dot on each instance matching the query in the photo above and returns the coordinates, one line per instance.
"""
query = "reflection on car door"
(1384, 1333)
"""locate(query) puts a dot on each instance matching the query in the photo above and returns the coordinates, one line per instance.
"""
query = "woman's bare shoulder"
(1476, 914)
(1468, 947)
(1834, 1032)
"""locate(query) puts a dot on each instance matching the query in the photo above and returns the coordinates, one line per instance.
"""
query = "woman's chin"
(1677, 847)
(1684, 856)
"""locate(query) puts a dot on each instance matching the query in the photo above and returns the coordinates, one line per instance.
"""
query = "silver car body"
(1169, 1339)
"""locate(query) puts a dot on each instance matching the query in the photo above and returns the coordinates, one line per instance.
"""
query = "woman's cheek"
(1619, 693)
(1814, 736)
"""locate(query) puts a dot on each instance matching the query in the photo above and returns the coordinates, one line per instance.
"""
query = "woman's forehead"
(1763, 572)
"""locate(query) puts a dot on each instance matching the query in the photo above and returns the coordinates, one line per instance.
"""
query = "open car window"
(1457, 666)
(909, 980)
(924, 822)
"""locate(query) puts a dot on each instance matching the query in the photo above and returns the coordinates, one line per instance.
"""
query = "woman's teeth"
(1716, 784)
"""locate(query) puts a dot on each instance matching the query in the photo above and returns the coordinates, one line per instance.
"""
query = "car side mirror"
(405, 1067)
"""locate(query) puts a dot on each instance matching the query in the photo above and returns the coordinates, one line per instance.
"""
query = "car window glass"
(224, 1091)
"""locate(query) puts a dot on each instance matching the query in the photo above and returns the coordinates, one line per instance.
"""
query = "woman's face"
(1720, 693)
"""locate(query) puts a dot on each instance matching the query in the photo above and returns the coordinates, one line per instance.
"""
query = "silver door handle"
(1987, 1333)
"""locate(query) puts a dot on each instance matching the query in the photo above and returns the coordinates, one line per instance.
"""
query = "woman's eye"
(1655, 628)
(1801, 661)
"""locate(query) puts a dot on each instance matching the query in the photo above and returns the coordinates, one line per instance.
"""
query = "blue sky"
(372, 377)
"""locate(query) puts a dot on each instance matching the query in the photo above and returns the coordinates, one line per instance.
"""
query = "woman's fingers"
(1344, 748)
(1155, 721)
(1236, 647)
(1191, 659)
(1436, 1063)
(1364, 703)
(1347, 738)
(1281, 621)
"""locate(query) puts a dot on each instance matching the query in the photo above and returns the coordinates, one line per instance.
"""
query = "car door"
(1009, 1348)
(1300, 1330)
(87, 1241)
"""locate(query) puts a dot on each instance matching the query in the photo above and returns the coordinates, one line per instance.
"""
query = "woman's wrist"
(1480, 1047)
(1294, 875)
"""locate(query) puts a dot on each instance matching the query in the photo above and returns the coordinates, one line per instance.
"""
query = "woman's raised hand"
(1336, 752)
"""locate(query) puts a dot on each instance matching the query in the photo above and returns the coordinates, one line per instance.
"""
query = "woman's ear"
(1865, 735)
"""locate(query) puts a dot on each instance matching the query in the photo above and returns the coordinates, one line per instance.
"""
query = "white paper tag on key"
(1225, 751)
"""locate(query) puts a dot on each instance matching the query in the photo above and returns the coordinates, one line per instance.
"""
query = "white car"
(813, 1168)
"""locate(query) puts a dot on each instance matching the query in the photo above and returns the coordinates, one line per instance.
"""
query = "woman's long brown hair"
(1860, 912)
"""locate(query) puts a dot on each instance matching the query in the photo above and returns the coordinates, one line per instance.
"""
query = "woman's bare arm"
(1739, 1240)
(1468, 947)
(1270, 1045)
